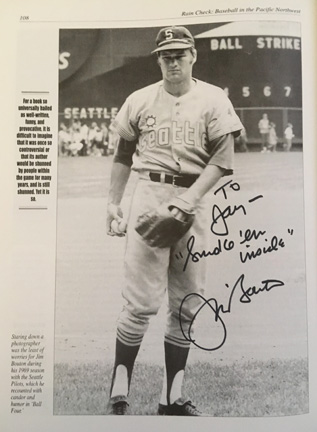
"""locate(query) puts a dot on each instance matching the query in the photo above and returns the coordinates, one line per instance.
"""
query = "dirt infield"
(89, 267)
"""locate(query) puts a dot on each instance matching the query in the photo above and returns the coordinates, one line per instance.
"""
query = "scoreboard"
(254, 71)
(260, 74)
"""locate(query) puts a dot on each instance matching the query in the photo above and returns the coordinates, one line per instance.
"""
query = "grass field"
(261, 369)
(249, 389)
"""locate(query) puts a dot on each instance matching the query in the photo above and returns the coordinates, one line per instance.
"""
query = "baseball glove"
(165, 225)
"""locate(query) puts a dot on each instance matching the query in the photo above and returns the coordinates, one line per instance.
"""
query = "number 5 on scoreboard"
(246, 91)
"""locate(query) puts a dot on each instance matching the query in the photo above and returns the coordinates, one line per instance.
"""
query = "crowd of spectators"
(269, 138)
(79, 139)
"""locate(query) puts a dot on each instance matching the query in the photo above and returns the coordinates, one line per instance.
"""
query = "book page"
(84, 294)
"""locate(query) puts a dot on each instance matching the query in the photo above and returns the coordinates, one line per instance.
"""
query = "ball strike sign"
(247, 43)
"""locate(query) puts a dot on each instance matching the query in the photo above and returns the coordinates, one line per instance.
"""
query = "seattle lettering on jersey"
(178, 134)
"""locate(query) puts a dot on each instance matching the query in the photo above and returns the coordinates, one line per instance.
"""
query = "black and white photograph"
(180, 234)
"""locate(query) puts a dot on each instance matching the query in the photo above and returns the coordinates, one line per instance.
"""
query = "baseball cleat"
(118, 405)
(180, 408)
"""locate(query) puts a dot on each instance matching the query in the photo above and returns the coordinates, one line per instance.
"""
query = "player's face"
(176, 65)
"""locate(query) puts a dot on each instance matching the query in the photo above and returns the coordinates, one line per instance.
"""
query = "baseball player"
(272, 139)
(289, 135)
(264, 127)
(178, 134)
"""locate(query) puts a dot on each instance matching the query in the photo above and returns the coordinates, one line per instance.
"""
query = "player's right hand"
(114, 224)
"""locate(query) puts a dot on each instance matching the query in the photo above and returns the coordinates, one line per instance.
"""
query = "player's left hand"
(178, 214)
(164, 226)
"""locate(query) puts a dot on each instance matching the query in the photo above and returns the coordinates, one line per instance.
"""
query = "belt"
(175, 180)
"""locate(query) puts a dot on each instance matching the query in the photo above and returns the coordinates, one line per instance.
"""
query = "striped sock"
(127, 348)
(175, 363)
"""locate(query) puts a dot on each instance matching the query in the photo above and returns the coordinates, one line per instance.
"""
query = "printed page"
(158, 243)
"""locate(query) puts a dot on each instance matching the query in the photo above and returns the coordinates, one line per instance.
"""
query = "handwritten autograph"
(217, 310)
(195, 256)
(219, 225)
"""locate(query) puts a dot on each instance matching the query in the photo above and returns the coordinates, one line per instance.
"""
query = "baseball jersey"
(288, 133)
(264, 125)
(178, 134)
(272, 136)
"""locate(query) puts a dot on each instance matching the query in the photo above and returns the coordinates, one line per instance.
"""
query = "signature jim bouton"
(217, 310)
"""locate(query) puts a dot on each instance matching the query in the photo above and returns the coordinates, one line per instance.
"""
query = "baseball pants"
(150, 271)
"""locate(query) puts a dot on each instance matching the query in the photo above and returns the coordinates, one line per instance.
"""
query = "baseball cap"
(175, 37)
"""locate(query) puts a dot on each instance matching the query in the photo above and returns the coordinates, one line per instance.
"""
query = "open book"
(124, 115)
